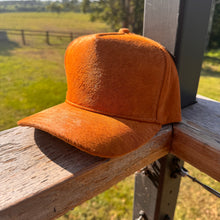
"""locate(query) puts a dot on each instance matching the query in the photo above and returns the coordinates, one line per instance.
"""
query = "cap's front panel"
(107, 74)
(80, 64)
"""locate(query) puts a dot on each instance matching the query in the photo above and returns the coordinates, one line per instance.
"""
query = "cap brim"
(94, 133)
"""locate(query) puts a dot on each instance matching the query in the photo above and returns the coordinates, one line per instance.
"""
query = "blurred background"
(33, 37)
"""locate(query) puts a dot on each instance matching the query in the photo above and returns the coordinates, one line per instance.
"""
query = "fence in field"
(39, 33)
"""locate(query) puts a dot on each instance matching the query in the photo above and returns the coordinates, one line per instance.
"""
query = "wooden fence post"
(71, 36)
(181, 26)
(23, 37)
(47, 38)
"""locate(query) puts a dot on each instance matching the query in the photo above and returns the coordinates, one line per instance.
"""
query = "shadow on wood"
(63, 154)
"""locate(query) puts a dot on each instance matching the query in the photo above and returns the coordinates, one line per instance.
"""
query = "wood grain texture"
(197, 138)
(41, 177)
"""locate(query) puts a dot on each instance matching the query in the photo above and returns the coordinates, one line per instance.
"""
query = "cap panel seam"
(149, 120)
(163, 82)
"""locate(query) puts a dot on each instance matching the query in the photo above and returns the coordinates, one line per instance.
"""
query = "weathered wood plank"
(42, 177)
(197, 138)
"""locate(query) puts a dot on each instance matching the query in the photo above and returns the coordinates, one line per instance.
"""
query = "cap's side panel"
(169, 106)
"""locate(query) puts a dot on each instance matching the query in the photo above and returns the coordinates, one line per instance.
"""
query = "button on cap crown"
(124, 30)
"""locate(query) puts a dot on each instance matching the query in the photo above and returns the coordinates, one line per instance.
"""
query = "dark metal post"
(181, 26)
(156, 189)
(23, 37)
(47, 38)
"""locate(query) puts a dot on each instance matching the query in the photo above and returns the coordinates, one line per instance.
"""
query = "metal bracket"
(156, 189)
(183, 172)
(142, 216)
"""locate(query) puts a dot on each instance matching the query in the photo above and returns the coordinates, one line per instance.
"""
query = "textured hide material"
(122, 88)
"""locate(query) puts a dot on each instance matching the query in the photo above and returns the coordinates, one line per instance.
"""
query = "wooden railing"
(41, 177)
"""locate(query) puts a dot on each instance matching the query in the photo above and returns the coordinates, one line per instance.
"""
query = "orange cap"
(122, 88)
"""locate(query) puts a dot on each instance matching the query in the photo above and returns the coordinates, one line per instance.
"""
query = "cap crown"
(123, 75)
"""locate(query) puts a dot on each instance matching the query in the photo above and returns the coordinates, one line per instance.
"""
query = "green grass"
(77, 23)
(115, 203)
(194, 202)
(32, 79)
(68, 21)
(209, 84)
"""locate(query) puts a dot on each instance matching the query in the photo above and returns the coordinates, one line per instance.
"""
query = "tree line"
(214, 40)
(116, 13)
(129, 13)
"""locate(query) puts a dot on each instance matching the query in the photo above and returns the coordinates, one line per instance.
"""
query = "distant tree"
(214, 41)
(137, 15)
(118, 13)
(55, 7)
(71, 5)
(85, 6)
(22, 6)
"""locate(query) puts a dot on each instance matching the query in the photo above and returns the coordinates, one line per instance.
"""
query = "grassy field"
(33, 78)
(51, 21)
(209, 84)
